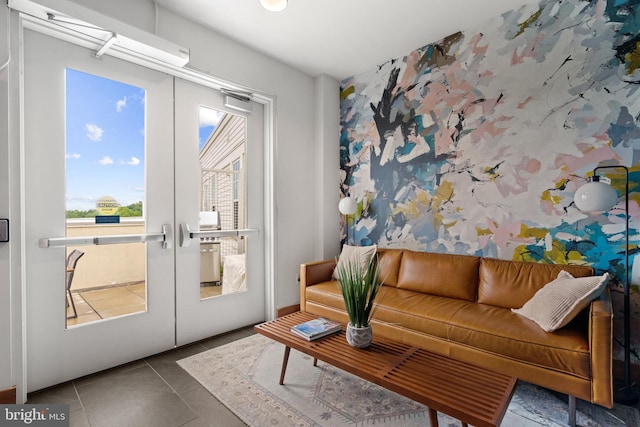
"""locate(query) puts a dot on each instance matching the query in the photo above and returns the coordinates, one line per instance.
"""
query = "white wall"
(295, 146)
(327, 100)
(6, 379)
(298, 146)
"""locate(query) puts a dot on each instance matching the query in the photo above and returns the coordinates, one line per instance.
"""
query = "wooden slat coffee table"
(469, 393)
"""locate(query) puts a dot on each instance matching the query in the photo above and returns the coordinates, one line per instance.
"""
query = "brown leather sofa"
(460, 306)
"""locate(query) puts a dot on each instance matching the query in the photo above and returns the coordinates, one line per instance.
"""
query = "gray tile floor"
(152, 392)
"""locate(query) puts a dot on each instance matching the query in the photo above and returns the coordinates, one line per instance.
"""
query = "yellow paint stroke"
(557, 255)
(548, 197)
(346, 92)
(363, 205)
(632, 59)
(536, 233)
(424, 201)
(492, 172)
(444, 194)
(483, 231)
(617, 177)
(414, 208)
(526, 24)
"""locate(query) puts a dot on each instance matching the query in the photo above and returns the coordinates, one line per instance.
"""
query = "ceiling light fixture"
(274, 5)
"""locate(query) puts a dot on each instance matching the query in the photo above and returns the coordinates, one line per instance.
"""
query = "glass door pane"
(105, 170)
(222, 147)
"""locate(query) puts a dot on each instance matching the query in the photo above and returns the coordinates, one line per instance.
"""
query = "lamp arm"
(627, 306)
(626, 213)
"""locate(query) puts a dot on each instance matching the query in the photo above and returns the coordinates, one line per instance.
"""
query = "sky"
(209, 119)
(105, 128)
(105, 137)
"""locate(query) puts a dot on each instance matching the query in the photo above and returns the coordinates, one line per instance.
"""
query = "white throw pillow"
(349, 254)
(560, 300)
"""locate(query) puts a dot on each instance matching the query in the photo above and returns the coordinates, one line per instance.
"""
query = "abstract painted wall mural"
(477, 143)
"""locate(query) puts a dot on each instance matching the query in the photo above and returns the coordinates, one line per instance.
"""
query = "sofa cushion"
(510, 284)
(427, 314)
(389, 264)
(502, 332)
(354, 254)
(445, 275)
(560, 300)
(326, 293)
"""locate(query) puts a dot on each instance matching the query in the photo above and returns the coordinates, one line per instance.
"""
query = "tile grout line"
(84, 411)
(127, 288)
(90, 306)
(174, 390)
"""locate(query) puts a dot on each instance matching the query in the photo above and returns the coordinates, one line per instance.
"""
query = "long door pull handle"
(186, 234)
(165, 237)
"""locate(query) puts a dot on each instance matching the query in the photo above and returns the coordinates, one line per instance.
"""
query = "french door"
(113, 172)
(212, 181)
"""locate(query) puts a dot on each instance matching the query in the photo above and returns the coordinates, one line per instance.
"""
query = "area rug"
(244, 376)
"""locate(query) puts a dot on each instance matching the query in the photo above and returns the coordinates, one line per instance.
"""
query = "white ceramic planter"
(359, 337)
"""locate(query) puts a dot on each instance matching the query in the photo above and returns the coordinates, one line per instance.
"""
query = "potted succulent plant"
(359, 284)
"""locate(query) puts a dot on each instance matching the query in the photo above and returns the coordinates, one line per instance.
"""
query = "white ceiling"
(340, 38)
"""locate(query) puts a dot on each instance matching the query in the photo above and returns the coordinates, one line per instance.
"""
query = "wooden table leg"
(285, 360)
(433, 418)
(315, 362)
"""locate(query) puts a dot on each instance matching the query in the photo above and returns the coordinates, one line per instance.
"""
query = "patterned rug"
(244, 375)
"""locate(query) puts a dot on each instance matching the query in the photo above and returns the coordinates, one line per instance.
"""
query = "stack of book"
(316, 328)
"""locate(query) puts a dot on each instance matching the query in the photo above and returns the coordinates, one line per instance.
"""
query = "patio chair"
(72, 260)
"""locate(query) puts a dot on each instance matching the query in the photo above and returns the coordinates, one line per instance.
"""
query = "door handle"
(186, 234)
(165, 237)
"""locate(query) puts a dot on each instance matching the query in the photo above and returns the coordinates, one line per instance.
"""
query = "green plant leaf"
(359, 284)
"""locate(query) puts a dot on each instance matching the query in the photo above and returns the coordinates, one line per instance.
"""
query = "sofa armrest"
(312, 273)
(601, 349)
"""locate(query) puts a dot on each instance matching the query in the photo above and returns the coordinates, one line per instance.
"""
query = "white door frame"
(17, 142)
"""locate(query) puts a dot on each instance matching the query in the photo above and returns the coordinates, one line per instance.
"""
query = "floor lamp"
(347, 207)
(597, 196)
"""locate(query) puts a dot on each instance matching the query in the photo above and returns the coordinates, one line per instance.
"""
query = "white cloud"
(121, 104)
(133, 162)
(106, 160)
(94, 132)
(73, 156)
(209, 117)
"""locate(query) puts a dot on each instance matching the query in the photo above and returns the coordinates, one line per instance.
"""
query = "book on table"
(316, 328)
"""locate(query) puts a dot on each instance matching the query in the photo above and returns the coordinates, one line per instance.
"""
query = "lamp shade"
(274, 5)
(347, 206)
(595, 196)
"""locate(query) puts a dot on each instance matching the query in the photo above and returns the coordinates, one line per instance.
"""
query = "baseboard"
(288, 310)
(8, 396)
